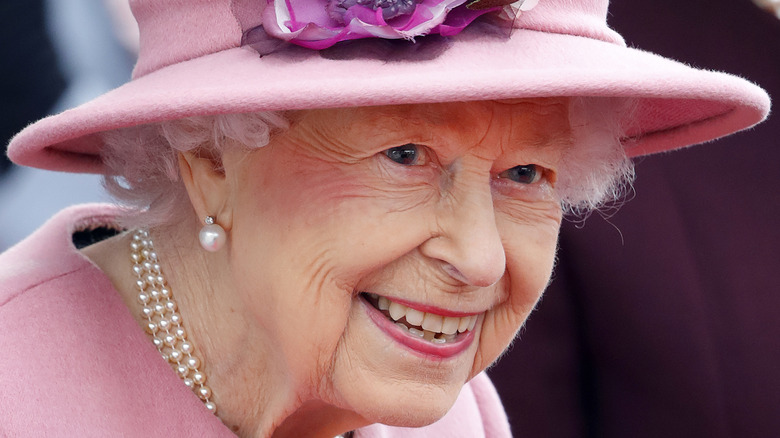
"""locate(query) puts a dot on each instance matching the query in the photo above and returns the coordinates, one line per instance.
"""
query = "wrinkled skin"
(321, 214)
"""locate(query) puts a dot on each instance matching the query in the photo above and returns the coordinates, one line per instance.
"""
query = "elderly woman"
(328, 229)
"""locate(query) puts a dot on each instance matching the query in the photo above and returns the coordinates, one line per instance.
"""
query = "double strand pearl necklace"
(163, 323)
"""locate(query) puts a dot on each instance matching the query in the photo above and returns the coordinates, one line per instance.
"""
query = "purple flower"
(319, 24)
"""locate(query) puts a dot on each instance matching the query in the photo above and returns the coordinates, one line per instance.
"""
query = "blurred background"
(662, 319)
(56, 54)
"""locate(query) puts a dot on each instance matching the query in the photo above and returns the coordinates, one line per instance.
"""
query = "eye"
(524, 174)
(407, 155)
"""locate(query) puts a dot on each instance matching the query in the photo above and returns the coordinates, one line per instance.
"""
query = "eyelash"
(540, 187)
(399, 154)
(521, 174)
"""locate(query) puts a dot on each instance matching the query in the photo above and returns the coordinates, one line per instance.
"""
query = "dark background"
(664, 319)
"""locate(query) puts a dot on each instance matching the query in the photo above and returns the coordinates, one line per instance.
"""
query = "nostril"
(480, 276)
(453, 272)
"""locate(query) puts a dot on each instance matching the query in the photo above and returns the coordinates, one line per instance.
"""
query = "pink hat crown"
(173, 31)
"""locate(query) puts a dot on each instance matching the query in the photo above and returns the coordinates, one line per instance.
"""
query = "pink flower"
(319, 24)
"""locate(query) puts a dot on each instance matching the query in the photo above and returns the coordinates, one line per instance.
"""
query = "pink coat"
(74, 362)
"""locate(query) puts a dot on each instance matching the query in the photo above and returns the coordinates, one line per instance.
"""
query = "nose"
(467, 240)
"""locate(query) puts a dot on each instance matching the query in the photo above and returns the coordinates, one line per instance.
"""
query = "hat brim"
(677, 105)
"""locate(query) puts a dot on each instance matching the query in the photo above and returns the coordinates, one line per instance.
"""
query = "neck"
(254, 393)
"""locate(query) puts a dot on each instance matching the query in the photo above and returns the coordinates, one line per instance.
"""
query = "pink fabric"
(477, 414)
(174, 31)
(73, 361)
(191, 64)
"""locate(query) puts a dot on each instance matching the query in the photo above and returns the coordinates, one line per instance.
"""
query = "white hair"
(596, 171)
(142, 168)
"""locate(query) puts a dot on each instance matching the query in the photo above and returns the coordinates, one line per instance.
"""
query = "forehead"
(532, 122)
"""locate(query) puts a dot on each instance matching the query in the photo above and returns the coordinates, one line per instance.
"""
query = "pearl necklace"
(164, 324)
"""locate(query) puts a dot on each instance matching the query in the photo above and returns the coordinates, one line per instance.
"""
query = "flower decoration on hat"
(319, 24)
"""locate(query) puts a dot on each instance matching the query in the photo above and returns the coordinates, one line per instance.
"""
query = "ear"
(207, 188)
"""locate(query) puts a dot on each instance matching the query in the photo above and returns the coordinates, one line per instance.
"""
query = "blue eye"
(407, 155)
(525, 174)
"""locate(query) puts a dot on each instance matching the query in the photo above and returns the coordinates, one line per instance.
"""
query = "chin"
(406, 403)
(409, 411)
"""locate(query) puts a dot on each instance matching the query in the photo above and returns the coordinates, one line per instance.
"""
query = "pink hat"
(192, 62)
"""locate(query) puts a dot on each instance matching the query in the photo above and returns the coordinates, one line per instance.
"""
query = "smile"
(424, 332)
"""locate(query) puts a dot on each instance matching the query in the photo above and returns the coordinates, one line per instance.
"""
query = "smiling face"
(389, 254)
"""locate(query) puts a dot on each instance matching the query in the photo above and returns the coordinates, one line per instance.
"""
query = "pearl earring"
(212, 236)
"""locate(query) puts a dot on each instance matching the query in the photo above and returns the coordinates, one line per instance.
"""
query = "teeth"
(416, 332)
(450, 325)
(414, 317)
(397, 311)
(436, 327)
(463, 325)
(432, 322)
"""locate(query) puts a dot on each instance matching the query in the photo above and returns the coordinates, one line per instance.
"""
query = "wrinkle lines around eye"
(306, 146)
(520, 212)
(395, 189)
(396, 200)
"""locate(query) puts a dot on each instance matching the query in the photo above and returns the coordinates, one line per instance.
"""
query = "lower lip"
(415, 344)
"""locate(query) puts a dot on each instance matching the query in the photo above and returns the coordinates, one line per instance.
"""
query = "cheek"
(370, 184)
(309, 230)
(530, 241)
(352, 212)
(529, 266)
(305, 236)
(530, 252)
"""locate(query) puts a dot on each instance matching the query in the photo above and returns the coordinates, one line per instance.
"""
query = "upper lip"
(429, 308)
(422, 323)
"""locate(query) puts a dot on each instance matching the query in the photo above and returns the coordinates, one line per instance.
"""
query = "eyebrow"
(553, 140)
(408, 124)
(537, 137)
